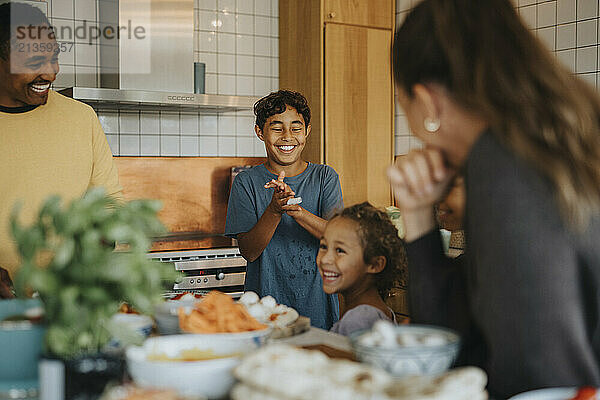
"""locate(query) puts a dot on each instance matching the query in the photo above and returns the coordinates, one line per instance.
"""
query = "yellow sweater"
(57, 148)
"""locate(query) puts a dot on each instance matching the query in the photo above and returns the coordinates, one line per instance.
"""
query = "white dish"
(167, 320)
(210, 378)
(417, 359)
(139, 323)
(547, 394)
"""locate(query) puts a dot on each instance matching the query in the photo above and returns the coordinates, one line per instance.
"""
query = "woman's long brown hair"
(493, 65)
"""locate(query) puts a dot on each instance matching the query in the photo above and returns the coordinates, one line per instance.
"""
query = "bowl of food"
(406, 350)
(165, 314)
(191, 364)
(219, 313)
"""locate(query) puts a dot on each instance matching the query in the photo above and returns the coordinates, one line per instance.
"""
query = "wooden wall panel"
(194, 192)
(300, 68)
(359, 111)
(371, 13)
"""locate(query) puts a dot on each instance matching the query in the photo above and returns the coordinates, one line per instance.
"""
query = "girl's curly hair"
(379, 237)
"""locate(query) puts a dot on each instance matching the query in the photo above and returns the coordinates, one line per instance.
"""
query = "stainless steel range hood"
(152, 70)
(116, 99)
(150, 45)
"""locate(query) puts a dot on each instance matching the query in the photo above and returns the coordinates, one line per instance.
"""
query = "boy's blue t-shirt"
(287, 268)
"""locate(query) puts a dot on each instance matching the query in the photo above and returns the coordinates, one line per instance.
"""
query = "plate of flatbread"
(284, 372)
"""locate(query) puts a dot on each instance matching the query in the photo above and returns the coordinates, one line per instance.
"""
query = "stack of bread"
(283, 372)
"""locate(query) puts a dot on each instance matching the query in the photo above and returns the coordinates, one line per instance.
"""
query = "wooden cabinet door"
(372, 13)
(358, 111)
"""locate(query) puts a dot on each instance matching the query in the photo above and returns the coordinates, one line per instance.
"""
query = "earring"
(431, 124)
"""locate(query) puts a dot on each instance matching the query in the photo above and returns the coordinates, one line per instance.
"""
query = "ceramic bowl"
(131, 324)
(402, 361)
(141, 324)
(211, 378)
(165, 314)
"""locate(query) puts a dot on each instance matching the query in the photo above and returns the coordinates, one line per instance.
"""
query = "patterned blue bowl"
(403, 361)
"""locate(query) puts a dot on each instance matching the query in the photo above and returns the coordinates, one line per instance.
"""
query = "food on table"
(194, 354)
(466, 383)
(127, 309)
(311, 375)
(407, 350)
(217, 313)
(132, 392)
(586, 393)
(304, 374)
(211, 378)
(384, 334)
(186, 296)
(267, 311)
(294, 200)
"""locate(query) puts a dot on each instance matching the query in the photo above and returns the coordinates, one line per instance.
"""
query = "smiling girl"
(359, 255)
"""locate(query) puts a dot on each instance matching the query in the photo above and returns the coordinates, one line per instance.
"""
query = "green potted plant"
(68, 259)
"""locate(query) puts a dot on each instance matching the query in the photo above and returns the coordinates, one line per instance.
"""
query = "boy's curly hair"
(379, 237)
(276, 102)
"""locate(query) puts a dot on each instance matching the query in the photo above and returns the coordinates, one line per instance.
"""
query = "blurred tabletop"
(317, 336)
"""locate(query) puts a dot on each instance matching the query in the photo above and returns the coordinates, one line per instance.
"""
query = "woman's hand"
(419, 180)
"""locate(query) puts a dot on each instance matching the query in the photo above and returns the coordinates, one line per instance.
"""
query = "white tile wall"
(569, 28)
(238, 42)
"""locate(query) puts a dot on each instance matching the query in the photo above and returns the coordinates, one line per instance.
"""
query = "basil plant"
(68, 257)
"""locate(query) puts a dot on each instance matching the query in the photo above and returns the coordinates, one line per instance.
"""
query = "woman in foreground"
(488, 100)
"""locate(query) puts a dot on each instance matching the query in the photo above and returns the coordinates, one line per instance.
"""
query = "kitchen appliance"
(222, 269)
(151, 34)
(41, 4)
(138, 41)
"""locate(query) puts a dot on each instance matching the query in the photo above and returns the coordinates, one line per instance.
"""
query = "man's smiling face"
(26, 75)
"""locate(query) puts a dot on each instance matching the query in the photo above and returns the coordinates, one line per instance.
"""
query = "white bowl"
(403, 361)
(133, 324)
(167, 319)
(547, 394)
(210, 378)
(138, 323)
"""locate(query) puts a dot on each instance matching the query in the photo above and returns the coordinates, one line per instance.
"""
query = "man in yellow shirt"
(49, 144)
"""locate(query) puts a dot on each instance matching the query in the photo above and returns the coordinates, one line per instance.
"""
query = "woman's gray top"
(525, 296)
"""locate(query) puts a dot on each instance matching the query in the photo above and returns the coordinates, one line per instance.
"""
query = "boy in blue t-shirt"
(281, 241)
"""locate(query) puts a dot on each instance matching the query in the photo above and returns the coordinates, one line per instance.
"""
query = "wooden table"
(332, 344)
